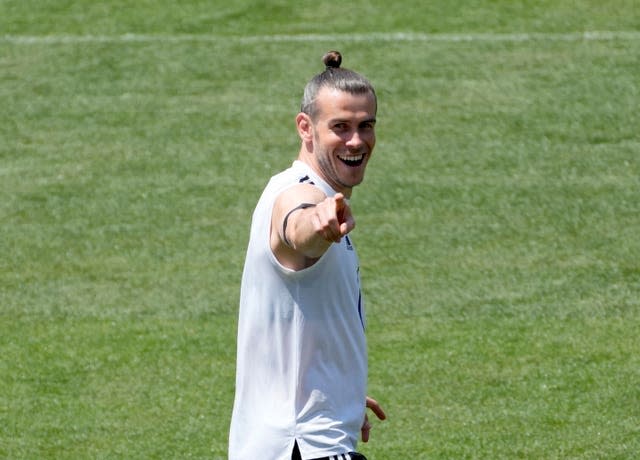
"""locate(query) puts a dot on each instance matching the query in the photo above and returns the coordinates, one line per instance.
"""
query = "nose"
(355, 140)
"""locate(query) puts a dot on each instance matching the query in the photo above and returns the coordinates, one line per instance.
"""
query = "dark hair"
(334, 77)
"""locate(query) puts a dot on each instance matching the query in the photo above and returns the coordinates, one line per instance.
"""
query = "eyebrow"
(348, 120)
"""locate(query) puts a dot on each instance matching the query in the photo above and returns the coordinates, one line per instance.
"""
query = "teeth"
(351, 157)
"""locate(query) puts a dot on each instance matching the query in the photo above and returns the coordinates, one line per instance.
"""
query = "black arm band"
(286, 220)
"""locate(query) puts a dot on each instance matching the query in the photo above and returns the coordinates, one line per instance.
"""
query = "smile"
(352, 160)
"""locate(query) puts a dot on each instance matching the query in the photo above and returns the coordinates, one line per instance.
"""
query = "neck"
(309, 158)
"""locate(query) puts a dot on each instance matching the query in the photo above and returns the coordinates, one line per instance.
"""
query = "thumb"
(366, 428)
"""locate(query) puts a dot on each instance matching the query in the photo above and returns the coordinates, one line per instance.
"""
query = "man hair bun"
(332, 59)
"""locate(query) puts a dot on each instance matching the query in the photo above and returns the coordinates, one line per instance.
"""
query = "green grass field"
(498, 227)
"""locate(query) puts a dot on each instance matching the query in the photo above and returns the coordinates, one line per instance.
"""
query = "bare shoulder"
(294, 196)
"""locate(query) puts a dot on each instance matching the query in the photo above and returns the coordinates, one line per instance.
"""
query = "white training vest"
(302, 355)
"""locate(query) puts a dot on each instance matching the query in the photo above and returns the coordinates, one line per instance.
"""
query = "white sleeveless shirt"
(302, 355)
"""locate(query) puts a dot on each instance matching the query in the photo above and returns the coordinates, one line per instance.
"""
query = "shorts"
(348, 456)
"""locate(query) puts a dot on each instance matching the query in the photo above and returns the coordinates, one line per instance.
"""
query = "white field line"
(374, 36)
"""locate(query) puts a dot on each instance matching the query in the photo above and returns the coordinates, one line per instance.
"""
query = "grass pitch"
(497, 227)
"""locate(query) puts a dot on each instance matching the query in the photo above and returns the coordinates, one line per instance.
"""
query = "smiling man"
(301, 375)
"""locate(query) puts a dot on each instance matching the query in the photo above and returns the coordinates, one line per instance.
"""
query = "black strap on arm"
(286, 220)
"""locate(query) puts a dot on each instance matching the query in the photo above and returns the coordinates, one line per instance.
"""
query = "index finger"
(340, 201)
(376, 408)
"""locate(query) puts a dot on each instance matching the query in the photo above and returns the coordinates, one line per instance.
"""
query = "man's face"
(343, 137)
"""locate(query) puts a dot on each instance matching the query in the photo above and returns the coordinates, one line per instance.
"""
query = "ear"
(305, 127)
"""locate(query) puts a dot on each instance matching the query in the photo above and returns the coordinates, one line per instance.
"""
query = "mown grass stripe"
(374, 36)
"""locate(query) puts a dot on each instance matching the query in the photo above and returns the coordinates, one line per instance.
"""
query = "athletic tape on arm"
(286, 220)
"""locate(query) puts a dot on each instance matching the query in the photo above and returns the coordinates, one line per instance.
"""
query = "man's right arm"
(305, 222)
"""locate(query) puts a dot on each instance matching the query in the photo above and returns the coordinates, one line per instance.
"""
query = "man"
(302, 358)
